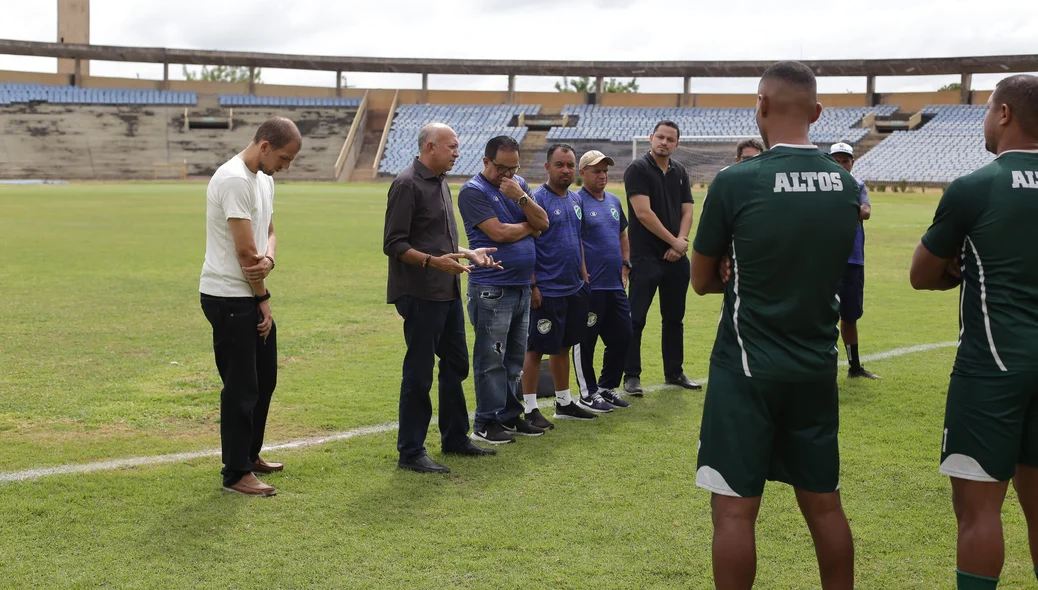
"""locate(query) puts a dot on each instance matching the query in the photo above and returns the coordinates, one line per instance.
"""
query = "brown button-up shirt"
(420, 215)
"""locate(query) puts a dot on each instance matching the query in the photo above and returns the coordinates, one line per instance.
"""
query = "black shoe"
(493, 434)
(572, 411)
(633, 386)
(683, 381)
(537, 419)
(521, 427)
(613, 398)
(470, 450)
(595, 403)
(856, 372)
(423, 464)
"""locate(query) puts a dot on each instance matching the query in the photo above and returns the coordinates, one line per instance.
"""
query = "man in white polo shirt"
(239, 254)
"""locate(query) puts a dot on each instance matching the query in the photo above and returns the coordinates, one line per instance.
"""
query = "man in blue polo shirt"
(559, 297)
(499, 213)
(607, 255)
(852, 285)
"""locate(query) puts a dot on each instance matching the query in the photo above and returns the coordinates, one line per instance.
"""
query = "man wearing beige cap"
(607, 256)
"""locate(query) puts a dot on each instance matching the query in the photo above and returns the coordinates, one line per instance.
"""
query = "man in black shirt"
(421, 240)
(659, 209)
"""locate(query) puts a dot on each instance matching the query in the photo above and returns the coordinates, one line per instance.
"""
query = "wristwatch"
(628, 264)
(523, 200)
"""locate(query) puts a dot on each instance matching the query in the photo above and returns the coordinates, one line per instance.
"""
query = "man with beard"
(559, 296)
(659, 209)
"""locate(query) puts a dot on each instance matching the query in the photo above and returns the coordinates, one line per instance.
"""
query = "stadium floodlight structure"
(702, 155)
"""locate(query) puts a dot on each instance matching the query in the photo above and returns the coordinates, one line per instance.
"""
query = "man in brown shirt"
(421, 241)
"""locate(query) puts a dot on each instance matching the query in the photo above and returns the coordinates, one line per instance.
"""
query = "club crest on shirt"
(577, 210)
(544, 326)
(616, 214)
(558, 211)
(592, 319)
(594, 214)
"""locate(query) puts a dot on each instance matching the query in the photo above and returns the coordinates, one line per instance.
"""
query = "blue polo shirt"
(479, 201)
(604, 222)
(559, 267)
(858, 252)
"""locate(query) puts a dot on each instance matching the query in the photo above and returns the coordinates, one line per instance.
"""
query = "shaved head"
(278, 132)
(787, 102)
(1020, 94)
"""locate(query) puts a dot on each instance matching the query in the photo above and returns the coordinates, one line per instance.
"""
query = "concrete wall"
(73, 27)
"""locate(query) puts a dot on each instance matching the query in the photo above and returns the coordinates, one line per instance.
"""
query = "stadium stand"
(948, 145)
(474, 124)
(249, 100)
(620, 124)
(75, 141)
(15, 93)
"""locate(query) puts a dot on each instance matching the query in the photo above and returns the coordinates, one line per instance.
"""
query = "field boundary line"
(302, 443)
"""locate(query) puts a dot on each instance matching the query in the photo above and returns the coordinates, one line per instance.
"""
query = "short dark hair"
(753, 142)
(667, 123)
(565, 147)
(793, 73)
(278, 131)
(501, 143)
(1020, 94)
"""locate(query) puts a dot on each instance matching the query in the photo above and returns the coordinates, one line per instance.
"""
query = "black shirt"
(420, 215)
(666, 192)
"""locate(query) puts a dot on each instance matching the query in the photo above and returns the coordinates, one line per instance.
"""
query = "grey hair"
(427, 133)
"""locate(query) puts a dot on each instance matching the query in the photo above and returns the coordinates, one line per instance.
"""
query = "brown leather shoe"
(261, 466)
(250, 486)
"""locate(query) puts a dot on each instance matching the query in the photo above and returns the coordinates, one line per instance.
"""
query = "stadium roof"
(646, 69)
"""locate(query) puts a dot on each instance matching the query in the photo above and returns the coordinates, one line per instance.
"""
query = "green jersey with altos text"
(988, 218)
(788, 219)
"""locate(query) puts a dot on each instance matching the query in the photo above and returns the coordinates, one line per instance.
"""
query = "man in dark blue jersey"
(499, 213)
(607, 254)
(559, 297)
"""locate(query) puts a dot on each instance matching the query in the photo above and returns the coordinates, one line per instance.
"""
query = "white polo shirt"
(234, 193)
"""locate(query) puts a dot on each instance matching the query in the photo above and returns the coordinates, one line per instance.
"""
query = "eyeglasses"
(505, 169)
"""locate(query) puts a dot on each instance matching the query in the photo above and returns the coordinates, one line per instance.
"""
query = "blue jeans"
(500, 317)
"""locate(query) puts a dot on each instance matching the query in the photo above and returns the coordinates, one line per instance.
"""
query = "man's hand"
(266, 320)
(625, 276)
(680, 245)
(724, 268)
(259, 270)
(672, 255)
(511, 189)
(535, 297)
(954, 267)
(482, 257)
(449, 264)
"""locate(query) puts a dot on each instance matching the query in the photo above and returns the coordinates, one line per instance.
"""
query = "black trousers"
(432, 329)
(610, 318)
(671, 279)
(248, 366)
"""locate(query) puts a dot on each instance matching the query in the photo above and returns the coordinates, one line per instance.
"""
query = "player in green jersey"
(774, 237)
(982, 241)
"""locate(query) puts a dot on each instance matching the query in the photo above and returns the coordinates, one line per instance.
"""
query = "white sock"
(531, 401)
(562, 397)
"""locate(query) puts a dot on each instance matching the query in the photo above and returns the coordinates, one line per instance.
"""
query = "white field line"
(110, 465)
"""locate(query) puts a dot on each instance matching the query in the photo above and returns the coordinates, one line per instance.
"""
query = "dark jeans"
(432, 329)
(248, 367)
(610, 317)
(500, 317)
(672, 280)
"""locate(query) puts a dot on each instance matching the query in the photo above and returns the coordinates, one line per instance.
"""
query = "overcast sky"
(546, 29)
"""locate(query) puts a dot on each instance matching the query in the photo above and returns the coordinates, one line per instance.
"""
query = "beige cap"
(594, 157)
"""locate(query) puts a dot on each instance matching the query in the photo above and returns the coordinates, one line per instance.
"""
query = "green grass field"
(105, 354)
